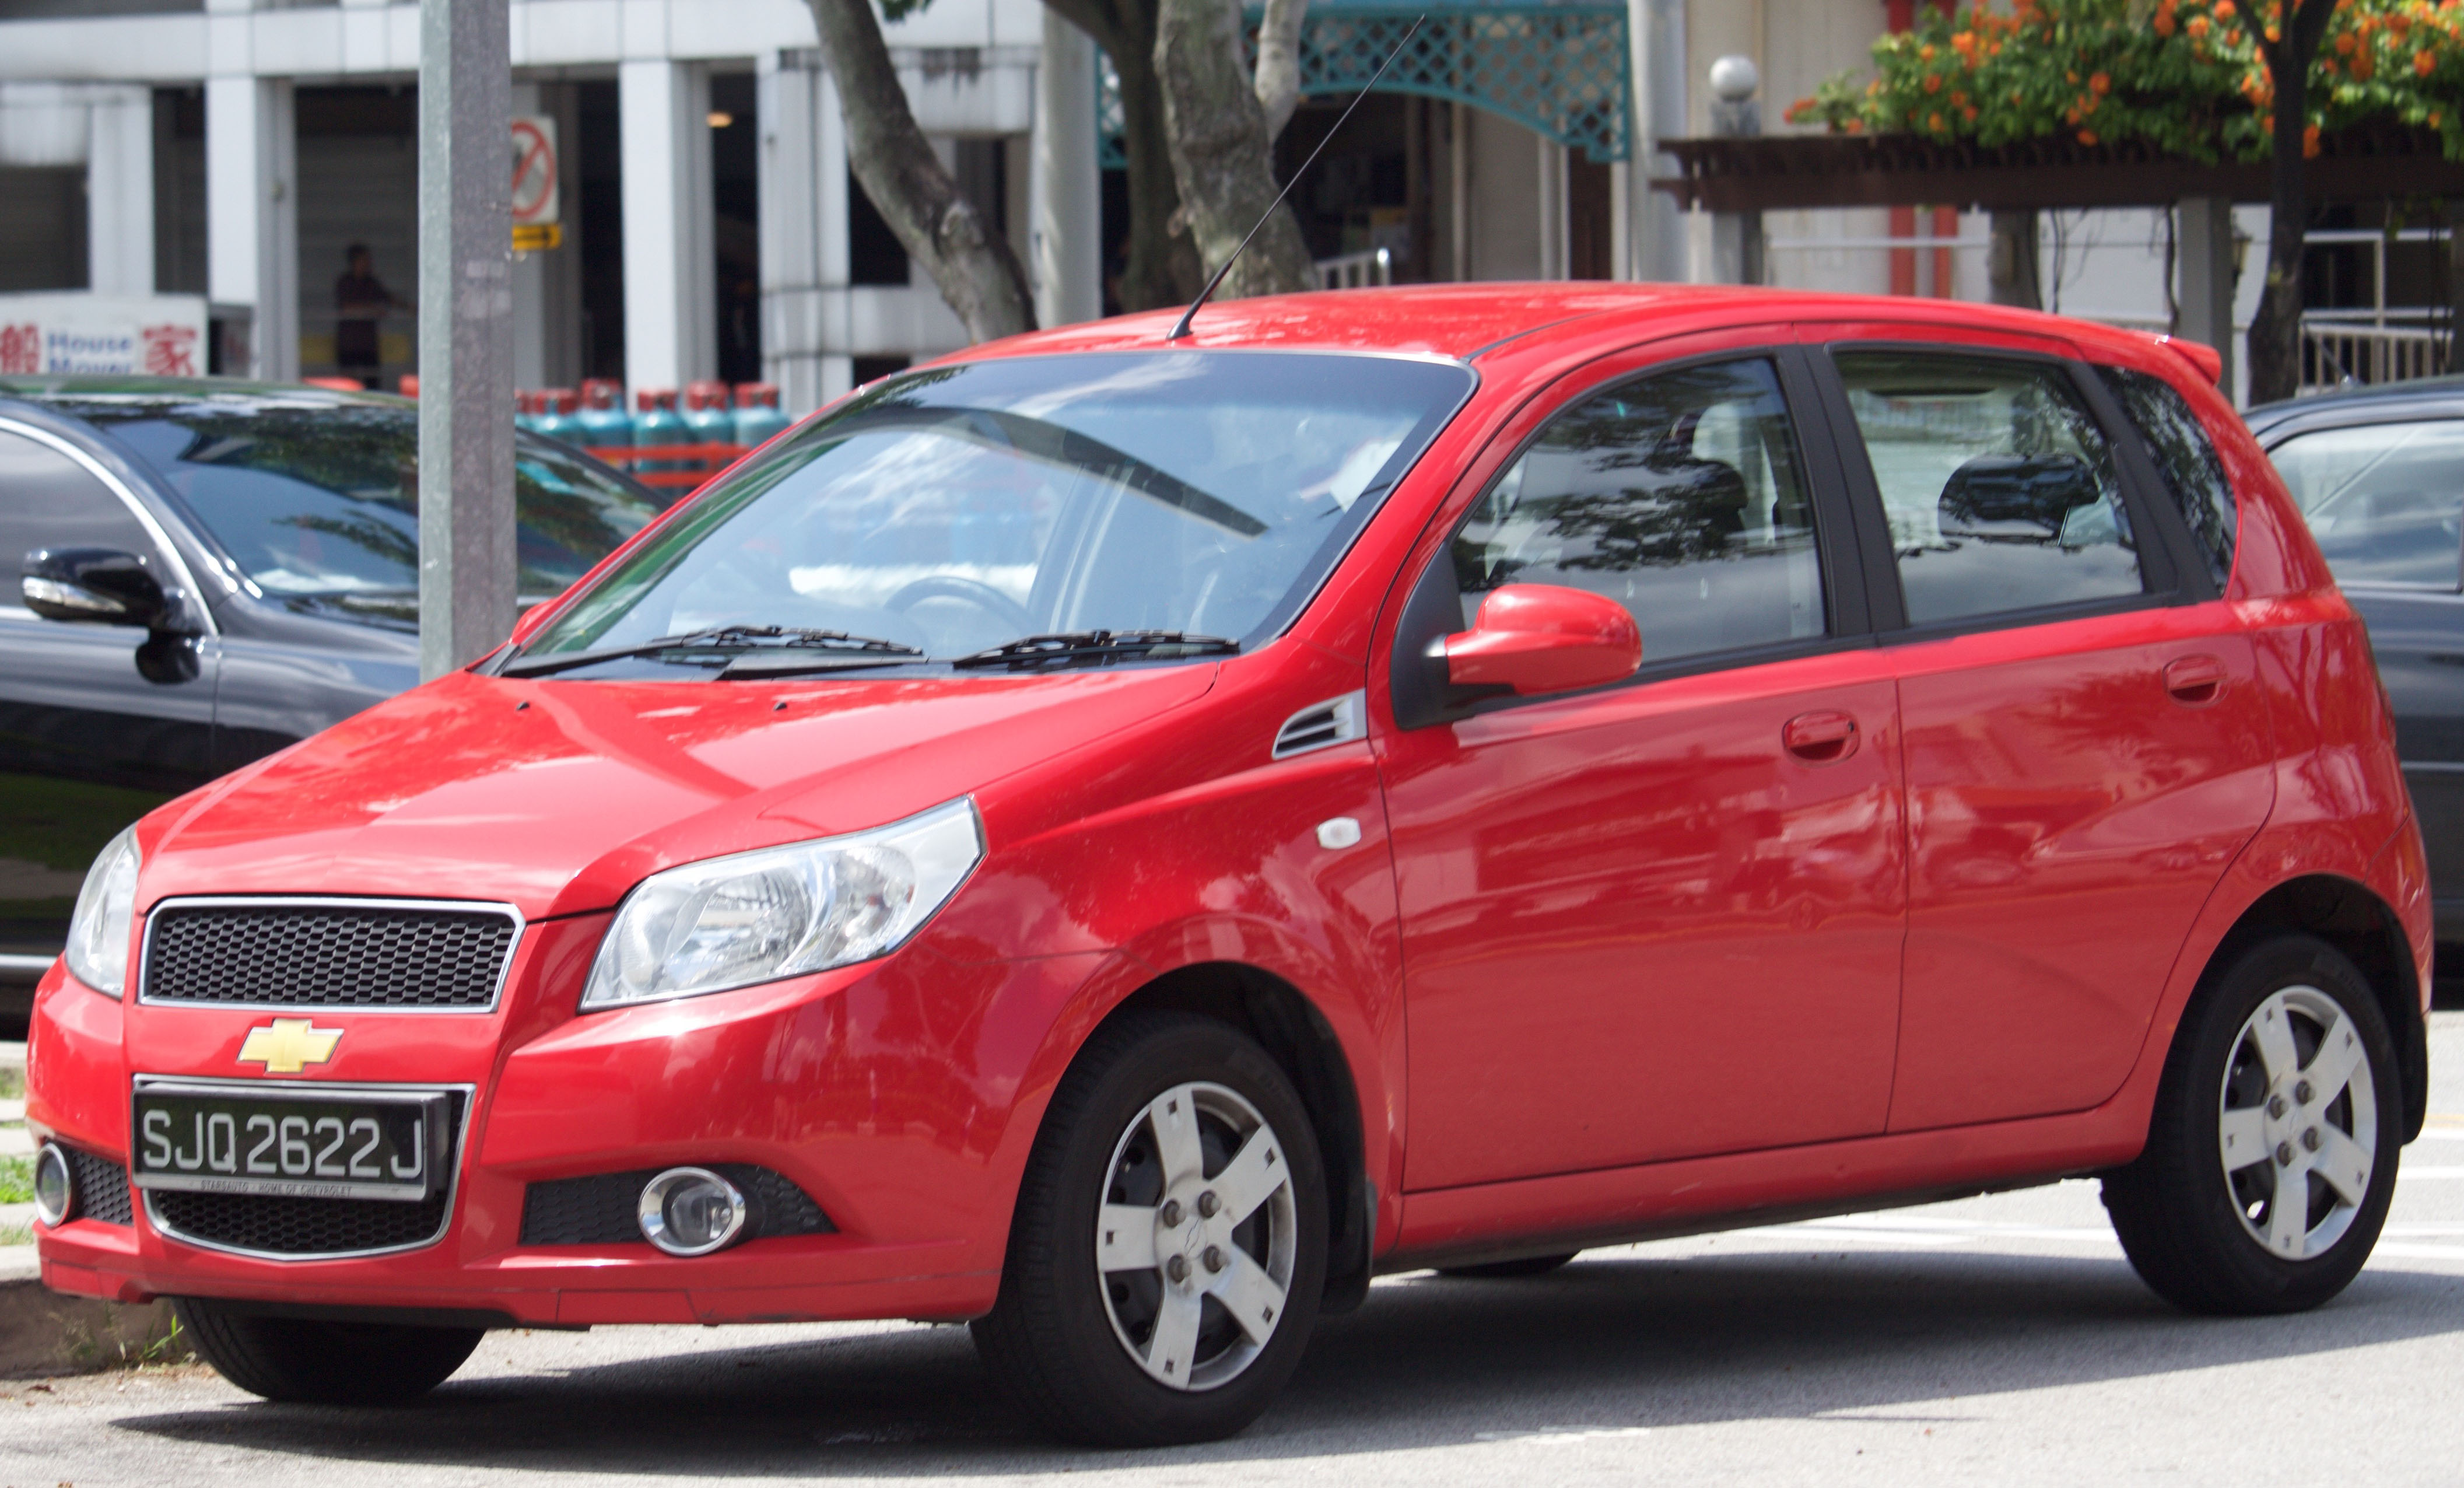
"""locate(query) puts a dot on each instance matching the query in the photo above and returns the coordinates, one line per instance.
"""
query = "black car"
(2379, 473)
(210, 571)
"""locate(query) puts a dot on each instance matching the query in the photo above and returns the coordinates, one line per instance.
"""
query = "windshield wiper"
(1085, 646)
(730, 643)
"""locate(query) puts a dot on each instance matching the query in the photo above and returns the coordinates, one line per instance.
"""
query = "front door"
(2087, 748)
(91, 735)
(1663, 917)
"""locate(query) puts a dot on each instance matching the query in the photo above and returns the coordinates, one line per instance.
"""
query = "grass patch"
(16, 1180)
(13, 1083)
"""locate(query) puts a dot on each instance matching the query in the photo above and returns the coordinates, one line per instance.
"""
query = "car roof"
(224, 392)
(1464, 320)
(2385, 403)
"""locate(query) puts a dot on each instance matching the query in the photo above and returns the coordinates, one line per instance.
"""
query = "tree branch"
(973, 266)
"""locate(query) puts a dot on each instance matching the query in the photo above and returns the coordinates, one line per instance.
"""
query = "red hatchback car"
(1122, 840)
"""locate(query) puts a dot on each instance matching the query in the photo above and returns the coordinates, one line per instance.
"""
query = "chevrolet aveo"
(1119, 840)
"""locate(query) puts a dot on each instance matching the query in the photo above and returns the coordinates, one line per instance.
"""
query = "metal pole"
(466, 344)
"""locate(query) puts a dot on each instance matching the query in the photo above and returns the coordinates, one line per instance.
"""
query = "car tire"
(326, 1364)
(1159, 1112)
(1503, 1270)
(2284, 1068)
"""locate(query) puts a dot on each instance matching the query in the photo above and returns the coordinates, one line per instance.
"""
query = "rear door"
(1660, 917)
(2086, 747)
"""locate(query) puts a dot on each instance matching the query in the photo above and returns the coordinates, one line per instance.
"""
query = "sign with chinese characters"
(147, 336)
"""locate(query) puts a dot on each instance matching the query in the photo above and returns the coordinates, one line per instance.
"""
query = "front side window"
(2384, 502)
(953, 511)
(1999, 487)
(1681, 495)
(2193, 475)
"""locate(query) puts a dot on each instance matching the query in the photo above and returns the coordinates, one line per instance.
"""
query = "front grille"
(296, 1227)
(602, 1208)
(327, 954)
(101, 1186)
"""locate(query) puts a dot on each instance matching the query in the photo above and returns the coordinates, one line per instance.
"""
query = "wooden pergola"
(1742, 177)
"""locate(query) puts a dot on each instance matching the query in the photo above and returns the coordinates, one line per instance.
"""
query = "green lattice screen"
(1560, 70)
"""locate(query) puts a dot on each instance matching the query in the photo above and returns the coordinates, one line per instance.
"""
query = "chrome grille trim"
(453, 1183)
(495, 995)
(1323, 725)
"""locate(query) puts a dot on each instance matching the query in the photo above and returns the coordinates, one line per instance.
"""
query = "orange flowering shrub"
(2185, 75)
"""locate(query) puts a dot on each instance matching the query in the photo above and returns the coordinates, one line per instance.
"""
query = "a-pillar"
(2204, 291)
(547, 283)
(119, 192)
(1065, 183)
(804, 187)
(253, 219)
(670, 275)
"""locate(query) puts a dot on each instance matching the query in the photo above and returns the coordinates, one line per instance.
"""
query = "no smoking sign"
(536, 180)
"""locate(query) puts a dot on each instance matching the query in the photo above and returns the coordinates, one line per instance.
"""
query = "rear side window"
(2384, 501)
(1999, 486)
(1679, 496)
(2192, 474)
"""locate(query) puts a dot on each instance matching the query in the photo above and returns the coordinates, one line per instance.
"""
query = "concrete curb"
(43, 1332)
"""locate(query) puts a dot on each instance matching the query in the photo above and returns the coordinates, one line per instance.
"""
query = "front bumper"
(899, 1096)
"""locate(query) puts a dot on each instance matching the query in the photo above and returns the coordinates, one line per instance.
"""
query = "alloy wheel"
(2297, 1125)
(1195, 1236)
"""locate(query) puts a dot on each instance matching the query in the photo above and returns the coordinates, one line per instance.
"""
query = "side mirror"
(1544, 638)
(99, 586)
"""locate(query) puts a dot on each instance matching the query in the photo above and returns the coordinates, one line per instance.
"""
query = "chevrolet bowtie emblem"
(286, 1046)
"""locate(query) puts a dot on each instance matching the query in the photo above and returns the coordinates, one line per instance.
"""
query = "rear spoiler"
(2206, 359)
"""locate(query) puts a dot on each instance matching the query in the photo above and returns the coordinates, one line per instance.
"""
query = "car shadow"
(1607, 1344)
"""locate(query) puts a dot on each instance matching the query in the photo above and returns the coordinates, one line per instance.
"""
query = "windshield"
(962, 508)
(318, 503)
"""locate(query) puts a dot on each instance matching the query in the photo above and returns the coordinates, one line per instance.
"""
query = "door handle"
(2195, 680)
(1824, 738)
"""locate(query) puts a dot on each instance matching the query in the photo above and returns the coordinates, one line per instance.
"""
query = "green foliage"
(2189, 77)
(16, 1180)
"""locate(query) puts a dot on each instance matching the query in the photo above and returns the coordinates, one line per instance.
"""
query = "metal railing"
(1357, 271)
(2343, 354)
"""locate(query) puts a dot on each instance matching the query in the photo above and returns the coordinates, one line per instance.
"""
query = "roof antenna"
(1186, 315)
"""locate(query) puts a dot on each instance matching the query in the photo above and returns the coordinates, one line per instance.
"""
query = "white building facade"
(236, 148)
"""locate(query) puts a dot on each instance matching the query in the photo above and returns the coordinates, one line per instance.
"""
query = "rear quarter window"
(2193, 475)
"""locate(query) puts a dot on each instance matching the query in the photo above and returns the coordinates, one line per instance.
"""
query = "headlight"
(782, 911)
(99, 929)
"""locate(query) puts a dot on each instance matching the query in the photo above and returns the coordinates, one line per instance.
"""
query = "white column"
(804, 232)
(1551, 168)
(251, 216)
(1656, 233)
(1066, 186)
(663, 118)
(2204, 257)
(119, 192)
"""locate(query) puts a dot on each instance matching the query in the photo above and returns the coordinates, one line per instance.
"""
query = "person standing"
(361, 301)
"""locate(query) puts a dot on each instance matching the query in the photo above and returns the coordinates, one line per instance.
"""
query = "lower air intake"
(295, 1228)
(101, 1186)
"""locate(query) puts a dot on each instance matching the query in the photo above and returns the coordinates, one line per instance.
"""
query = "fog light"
(54, 1185)
(691, 1212)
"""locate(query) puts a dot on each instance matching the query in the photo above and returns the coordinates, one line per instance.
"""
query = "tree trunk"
(2274, 343)
(1220, 154)
(940, 229)
(1278, 63)
(1161, 267)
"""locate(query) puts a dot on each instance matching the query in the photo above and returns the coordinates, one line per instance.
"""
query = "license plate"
(355, 1145)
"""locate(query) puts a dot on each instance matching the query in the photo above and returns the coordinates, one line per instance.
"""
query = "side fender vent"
(1333, 722)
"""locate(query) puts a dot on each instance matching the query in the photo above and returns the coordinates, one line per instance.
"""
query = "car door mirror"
(1544, 638)
(98, 585)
